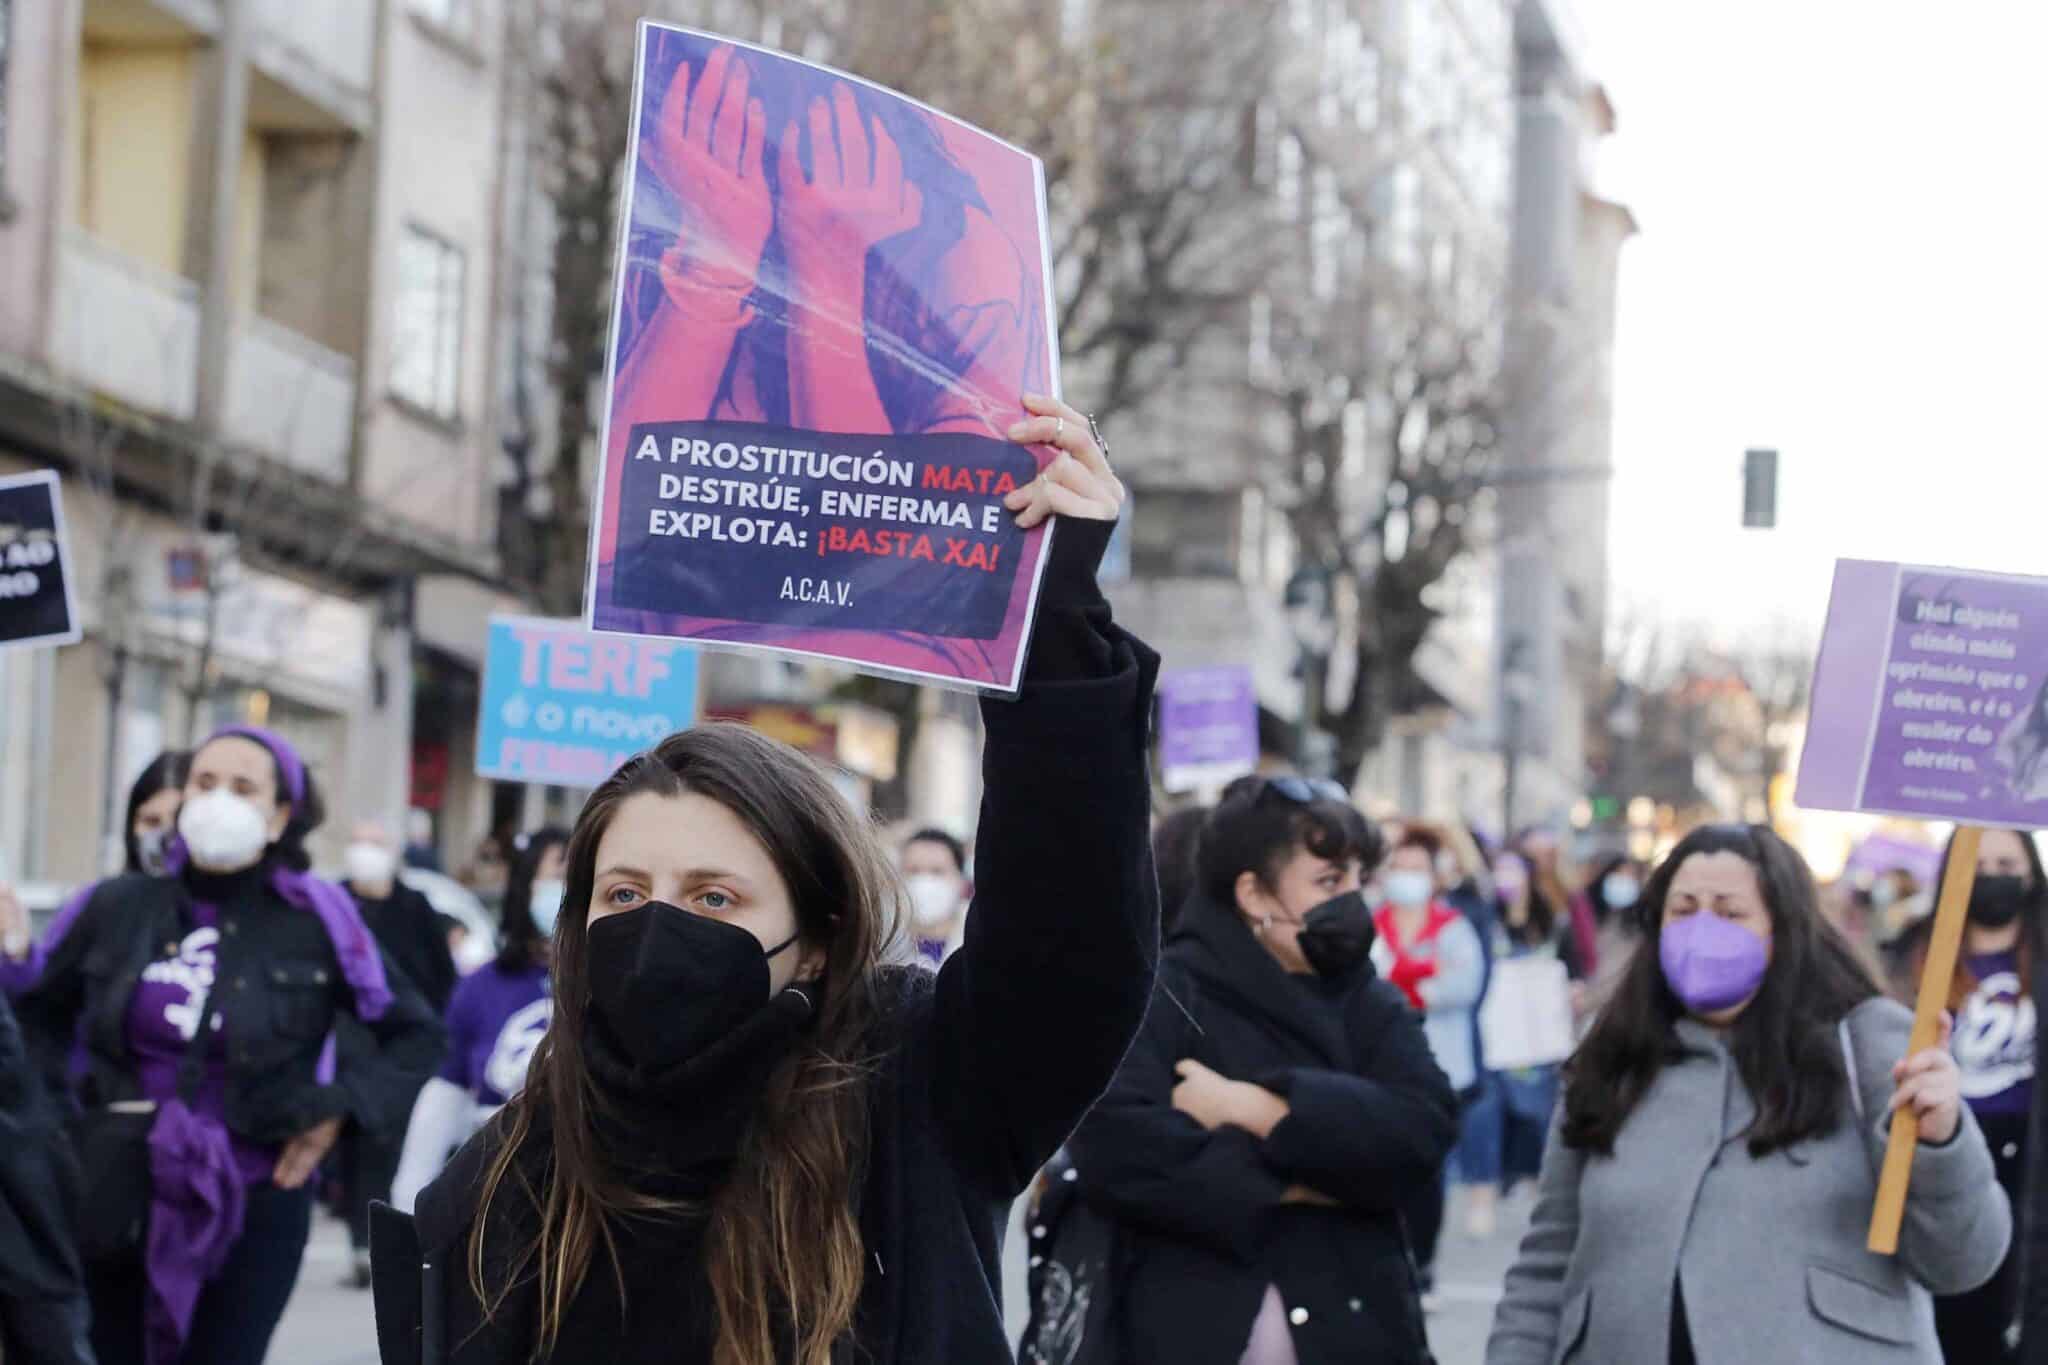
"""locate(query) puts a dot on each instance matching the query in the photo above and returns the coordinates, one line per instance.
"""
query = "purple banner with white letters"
(1931, 697)
(1208, 726)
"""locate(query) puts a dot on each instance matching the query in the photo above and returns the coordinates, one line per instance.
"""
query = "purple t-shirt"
(495, 1021)
(1994, 1037)
(162, 1016)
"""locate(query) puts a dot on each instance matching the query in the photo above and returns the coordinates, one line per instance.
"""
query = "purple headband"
(288, 761)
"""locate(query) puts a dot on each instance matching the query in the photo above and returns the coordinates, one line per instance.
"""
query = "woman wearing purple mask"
(1708, 1186)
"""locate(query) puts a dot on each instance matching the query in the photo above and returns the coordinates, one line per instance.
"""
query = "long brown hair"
(783, 1251)
(1783, 1043)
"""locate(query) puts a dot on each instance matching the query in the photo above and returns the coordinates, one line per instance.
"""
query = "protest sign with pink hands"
(830, 302)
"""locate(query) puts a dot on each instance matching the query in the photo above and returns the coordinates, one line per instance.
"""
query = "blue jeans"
(1477, 1157)
(1501, 1138)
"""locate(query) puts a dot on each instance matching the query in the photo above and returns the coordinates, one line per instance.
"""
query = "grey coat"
(1770, 1250)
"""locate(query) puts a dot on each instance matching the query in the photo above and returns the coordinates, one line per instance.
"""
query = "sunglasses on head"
(1303, 791)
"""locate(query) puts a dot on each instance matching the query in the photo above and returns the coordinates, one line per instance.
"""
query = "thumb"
(1948, 1028)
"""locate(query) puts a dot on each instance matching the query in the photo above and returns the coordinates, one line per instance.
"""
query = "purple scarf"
(196, 1203)
(195, 1219)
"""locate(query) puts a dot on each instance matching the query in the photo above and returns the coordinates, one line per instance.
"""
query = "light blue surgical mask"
(547, 906)
(1409, 890)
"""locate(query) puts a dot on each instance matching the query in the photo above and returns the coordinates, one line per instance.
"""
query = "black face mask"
(1997, 901)
(1337, 935)
(666, 984)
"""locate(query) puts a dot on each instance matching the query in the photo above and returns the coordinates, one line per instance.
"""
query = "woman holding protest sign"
(206, 1000)
(1992, 997)
(747, 1139)
(1708, 1190)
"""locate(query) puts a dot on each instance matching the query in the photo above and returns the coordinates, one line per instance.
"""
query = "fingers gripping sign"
(1930, 1087)
(1078, 483)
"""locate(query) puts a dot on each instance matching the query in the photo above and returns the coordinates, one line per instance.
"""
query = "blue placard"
(566, 707)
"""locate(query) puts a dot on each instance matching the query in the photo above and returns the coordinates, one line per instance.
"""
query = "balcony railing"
(321, 49)
(129, 332)
(125, 329)
(290, 399)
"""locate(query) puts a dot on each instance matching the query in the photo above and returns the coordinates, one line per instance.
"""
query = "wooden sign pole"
(1945, 943)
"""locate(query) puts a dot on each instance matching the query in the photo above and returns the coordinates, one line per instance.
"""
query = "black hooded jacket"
(413, 936)
(1205, 1225)
(985, 1068)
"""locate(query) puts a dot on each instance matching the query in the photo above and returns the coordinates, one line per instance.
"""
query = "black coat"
(2030, 1215)
(1205, 1229)
(42, 1286)
(411, 934)
(279, 992)
(988, 1066)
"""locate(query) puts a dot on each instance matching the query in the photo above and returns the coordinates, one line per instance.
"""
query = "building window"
(426, 345)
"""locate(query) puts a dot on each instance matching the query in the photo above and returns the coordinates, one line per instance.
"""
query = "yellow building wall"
(134, 150)
(248, 223)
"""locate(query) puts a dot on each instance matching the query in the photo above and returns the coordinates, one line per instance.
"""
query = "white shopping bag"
(1526, 1019)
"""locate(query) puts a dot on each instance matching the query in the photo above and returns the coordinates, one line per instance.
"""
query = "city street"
(329, 1323)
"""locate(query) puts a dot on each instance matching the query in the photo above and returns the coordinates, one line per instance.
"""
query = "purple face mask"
(1711, 963)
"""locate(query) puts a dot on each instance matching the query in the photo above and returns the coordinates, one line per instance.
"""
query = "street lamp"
(1517, 690)
(1310, 621)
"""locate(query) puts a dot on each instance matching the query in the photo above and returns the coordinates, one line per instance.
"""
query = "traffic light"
(1760, 489)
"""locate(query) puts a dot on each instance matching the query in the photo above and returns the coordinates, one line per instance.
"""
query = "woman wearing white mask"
(402, 919)
(495, 1021)
(1613, 890)
(934, 867)
(238, 1114)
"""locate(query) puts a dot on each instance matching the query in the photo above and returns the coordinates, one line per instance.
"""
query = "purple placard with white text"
(1208, 726)
(1931, 697)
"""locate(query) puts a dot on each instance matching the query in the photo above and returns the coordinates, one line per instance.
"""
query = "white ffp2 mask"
(933, 899)
(223, 831)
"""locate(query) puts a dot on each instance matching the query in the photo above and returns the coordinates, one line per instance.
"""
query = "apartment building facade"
(247, 258)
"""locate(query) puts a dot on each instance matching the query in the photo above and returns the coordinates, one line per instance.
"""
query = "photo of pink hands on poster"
(831, 306)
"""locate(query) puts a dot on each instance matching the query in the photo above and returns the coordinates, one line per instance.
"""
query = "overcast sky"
(1844, 254)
